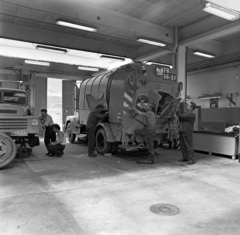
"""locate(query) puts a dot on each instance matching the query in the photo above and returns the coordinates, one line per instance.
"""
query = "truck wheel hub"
(3, 148)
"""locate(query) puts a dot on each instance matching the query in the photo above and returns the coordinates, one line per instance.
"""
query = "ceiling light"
(48, 48)
(153, 63)
(203, 54)
(221, 12)
(88, 68)
(151, 42)
(112, 57)
(76, 26)
(35, 62)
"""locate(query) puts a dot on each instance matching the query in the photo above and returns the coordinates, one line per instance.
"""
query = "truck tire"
(8, 150)
(71, 136)
(101, 142)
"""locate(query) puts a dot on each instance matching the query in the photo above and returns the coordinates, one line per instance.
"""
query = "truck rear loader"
(119, 91)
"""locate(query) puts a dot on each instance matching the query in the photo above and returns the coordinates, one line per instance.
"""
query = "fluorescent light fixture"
(212, 96)
(76, 26)
(88, 68)
(151, 42)
(221, 12)
(153, 63)
(203, 54)
(48, 48)
(112, 57)
(35, 62)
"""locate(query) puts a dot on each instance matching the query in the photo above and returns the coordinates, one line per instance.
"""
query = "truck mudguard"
(75, 127)
(108, 131)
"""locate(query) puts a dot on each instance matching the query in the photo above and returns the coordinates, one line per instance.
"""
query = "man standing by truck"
(187, 119)
(148, 131)
(94, 117)
(47, 122)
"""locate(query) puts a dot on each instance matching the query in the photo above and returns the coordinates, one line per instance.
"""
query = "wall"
(225, 81)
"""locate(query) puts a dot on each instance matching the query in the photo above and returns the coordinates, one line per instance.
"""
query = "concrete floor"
(76, 194)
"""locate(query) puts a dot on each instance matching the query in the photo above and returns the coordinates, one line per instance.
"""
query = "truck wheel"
(71, 136)
(8, 150)
(101, 142)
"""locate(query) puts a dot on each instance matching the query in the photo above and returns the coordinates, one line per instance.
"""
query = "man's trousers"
(186, 145)
(56, 149)
(91, 139)
(50, 136)
(147, 135)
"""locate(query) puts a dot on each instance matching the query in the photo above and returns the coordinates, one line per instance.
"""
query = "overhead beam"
(15, 66)
(91, 12)
(181, 15)
(48, 37)
(105, 19)
(212, 34)
(214, 47)
(153, 55)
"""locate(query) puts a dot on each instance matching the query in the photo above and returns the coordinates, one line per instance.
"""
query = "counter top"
(212, 132)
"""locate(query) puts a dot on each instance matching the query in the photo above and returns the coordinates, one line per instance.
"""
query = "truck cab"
(18, 127)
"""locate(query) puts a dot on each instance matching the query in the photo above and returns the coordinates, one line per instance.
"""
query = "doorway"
(54, 100)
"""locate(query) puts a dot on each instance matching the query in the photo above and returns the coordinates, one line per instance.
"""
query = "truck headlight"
(34, 122)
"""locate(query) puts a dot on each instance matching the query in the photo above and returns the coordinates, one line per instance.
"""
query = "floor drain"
(164, 209)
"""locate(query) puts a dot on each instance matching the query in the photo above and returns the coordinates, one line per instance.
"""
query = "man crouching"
(56, 148)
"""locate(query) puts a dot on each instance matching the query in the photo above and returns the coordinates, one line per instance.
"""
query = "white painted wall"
(225, 81)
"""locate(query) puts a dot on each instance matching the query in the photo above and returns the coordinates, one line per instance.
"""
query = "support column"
(181, 68)
(174, 53)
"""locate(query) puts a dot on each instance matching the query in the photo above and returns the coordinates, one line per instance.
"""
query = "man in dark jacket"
(187, 119)
(94, 117)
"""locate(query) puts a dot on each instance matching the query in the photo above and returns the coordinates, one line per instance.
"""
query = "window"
(13, 97)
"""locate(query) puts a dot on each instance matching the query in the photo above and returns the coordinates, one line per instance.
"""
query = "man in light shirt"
(147, 134)
(47, 122)
(56, 148)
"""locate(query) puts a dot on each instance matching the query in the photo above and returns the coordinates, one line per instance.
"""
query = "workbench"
(216, 142)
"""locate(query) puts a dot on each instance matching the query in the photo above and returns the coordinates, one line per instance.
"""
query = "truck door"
(69, 98)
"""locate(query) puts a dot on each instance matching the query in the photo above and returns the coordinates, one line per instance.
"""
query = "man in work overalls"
(187, 119)
(148, 132)
(94, 117)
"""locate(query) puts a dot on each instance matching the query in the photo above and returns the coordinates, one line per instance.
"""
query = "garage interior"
(76, 194)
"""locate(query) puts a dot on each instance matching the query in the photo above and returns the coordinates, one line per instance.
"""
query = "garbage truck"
(18, 128)
(119, 91)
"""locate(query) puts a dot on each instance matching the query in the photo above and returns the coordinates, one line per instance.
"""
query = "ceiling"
(119, 23)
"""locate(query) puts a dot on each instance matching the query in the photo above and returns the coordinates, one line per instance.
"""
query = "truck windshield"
(14, 97)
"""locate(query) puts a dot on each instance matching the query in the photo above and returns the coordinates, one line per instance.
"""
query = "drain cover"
(164, 209)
